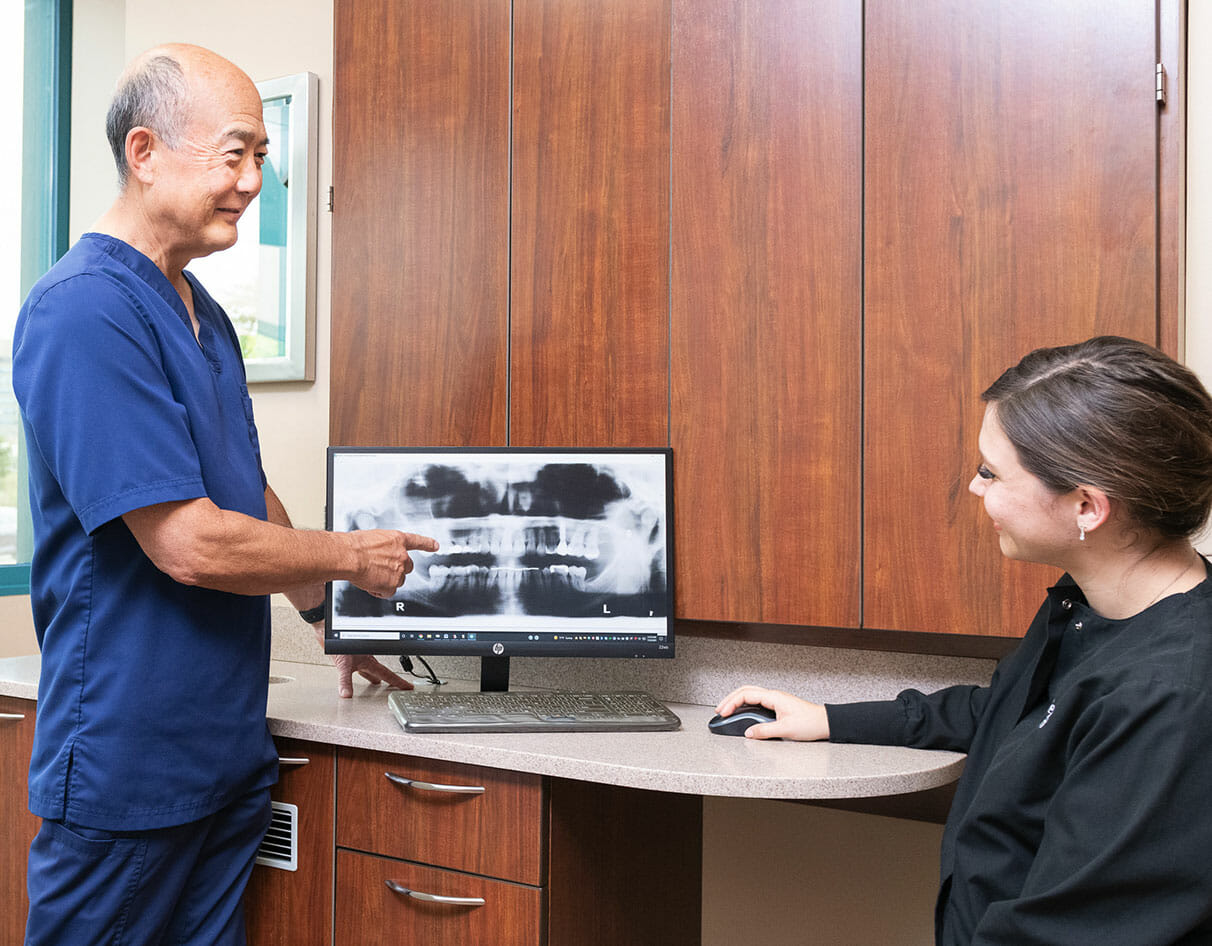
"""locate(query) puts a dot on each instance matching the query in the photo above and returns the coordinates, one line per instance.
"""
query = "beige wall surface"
(16, 627)
(777, 872)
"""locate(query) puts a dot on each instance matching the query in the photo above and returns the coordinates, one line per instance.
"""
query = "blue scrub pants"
(170, 886)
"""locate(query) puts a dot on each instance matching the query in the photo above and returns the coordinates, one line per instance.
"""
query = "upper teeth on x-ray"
(570, 539)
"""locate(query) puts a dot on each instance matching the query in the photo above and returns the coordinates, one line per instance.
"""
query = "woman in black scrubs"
(1081, 816)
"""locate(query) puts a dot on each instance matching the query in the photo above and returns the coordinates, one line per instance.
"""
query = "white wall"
(1199, 190)
(98, 55)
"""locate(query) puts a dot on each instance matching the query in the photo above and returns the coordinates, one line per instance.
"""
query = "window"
(35, 56)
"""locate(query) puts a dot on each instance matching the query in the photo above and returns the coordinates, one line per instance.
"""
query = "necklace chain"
(1173, 581)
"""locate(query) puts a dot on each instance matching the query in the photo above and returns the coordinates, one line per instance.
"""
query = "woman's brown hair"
(1119, 415)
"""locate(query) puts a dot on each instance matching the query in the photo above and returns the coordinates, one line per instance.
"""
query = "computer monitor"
(544, 553)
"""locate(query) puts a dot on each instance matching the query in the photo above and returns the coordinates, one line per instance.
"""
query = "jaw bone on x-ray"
(518, 537)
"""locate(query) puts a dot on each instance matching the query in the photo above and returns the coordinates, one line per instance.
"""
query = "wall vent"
(280, 846)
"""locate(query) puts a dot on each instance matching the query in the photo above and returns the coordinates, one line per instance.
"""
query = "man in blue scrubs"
(158, 539)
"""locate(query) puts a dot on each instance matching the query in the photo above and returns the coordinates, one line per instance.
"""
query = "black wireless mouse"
(744, 716)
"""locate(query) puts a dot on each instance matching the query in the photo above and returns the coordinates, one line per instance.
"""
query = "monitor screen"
(543, 552)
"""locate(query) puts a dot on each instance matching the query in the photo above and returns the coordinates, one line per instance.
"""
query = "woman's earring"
(1081, 532)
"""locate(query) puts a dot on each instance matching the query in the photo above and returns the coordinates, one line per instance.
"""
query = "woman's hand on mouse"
(796, 719)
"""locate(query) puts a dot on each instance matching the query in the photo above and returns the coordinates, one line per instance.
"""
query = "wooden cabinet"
(288, 907)
(589, 299)
(766, 310)
(433, 851)
(792, 240)
(682, 221)
(554, 862)
(1010, 203)
(16, 745)
(482, 831)
(420, 294)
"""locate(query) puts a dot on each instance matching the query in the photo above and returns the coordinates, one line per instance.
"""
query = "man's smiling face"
(202, 187)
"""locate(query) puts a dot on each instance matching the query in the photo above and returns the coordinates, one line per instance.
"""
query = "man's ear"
(141, 147)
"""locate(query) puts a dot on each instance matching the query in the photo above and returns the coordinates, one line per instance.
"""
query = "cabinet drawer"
(369, 912)
(424, 810)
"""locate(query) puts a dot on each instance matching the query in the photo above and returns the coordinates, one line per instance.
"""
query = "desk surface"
(303, 704)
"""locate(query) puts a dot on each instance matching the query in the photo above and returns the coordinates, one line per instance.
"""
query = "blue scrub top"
(151, 703)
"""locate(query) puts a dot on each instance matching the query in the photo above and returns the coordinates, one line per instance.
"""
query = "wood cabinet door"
(16, 745)
(589, 339)
(1010, 203)
(420, 271)
(767, 309)
(283, 907)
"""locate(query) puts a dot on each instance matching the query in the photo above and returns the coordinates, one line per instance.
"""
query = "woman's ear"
(1093, 506)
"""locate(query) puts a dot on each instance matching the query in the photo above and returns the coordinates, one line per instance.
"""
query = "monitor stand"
(494, 674)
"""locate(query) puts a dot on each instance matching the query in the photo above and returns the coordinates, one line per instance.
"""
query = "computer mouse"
(744, 716)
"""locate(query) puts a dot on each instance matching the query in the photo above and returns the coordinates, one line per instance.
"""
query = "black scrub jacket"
(1084, 814)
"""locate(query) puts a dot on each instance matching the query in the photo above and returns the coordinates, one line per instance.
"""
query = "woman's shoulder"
(1167, 646)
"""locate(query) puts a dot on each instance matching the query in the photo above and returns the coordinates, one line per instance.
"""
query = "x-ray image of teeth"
(518, 537)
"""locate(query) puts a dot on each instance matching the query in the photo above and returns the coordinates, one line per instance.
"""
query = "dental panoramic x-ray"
(530, 542)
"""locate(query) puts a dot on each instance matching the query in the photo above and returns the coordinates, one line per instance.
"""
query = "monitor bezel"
(495, 649)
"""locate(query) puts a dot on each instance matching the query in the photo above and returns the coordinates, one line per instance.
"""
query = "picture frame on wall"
(266, 282)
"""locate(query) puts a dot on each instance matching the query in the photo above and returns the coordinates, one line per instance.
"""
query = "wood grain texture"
(370, 914)
(767, 310)
(19, 826)
(500, 833)
(1010, 187)
(625, 866)
(285, 908)
(589, 350)
(1172, 176)
(421, 222)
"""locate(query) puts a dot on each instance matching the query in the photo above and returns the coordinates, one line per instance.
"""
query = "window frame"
(46, 131)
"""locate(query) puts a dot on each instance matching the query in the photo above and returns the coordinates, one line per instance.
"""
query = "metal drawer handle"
(282, 760)
(435, 898)
(12, 716)
(434, 787)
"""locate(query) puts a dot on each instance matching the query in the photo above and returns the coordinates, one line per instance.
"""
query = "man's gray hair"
(153, 94)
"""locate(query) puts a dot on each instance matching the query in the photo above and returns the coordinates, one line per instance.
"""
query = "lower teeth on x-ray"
(550, 539)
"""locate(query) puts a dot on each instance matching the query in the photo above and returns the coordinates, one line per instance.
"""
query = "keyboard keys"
(527, 711)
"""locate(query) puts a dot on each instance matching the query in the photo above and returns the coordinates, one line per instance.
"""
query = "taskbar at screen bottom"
(472, 644)
(508, 637)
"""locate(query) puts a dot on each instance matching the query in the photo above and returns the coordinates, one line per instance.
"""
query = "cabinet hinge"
(1161, 84)
(330, 192)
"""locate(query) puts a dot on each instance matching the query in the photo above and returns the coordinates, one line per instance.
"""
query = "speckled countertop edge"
(303, 704)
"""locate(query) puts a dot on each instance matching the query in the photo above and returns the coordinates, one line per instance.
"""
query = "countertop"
(303, 704)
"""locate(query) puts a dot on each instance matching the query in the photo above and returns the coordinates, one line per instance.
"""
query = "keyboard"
(526, 711)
